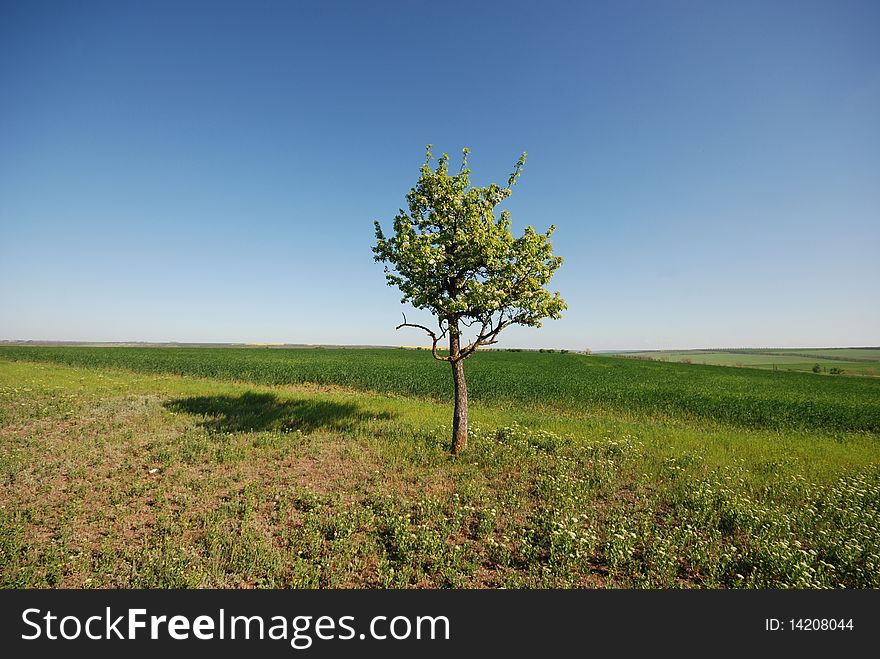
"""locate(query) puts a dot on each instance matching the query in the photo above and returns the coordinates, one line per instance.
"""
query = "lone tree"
(452, 256)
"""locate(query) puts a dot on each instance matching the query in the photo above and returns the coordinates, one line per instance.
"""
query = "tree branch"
(487, 336)
(436, 339)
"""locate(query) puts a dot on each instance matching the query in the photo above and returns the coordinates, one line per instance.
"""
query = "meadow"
(832, 361)
(557, 382)
(152, 467)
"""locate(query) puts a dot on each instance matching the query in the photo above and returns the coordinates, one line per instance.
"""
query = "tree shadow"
(254, 411)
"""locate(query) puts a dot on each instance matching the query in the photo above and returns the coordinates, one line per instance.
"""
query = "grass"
(852, 361)
(556, 383)
(111, 477)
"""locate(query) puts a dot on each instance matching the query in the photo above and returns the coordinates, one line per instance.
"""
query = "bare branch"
(434, 337)
(487, 336)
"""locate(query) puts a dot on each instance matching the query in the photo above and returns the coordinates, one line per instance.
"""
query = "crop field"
(561, 382)
(234, 467)
(844, 361)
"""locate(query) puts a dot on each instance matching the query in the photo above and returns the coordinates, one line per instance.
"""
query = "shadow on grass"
(263, 411)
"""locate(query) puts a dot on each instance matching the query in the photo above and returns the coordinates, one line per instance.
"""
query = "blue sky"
(210, 171)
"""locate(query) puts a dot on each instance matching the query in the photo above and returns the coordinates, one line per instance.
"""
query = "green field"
(179, 467)
(566, 383)
(851, 361)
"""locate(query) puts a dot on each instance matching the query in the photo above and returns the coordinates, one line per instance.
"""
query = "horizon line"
(123, 343)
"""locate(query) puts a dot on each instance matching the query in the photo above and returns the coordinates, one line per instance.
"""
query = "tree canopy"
(452, 255)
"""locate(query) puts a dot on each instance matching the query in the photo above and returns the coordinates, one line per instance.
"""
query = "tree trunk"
(460, 414)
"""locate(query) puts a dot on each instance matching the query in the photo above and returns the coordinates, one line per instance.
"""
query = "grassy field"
(851, 361)
(149, 467)
(552, 382)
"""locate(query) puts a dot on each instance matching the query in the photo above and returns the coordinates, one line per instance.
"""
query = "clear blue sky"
(210, 171)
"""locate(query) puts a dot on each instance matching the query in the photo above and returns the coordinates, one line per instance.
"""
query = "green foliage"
(451, 255)
(805, 536)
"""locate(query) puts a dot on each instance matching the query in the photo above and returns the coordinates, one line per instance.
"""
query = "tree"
(450, 255)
